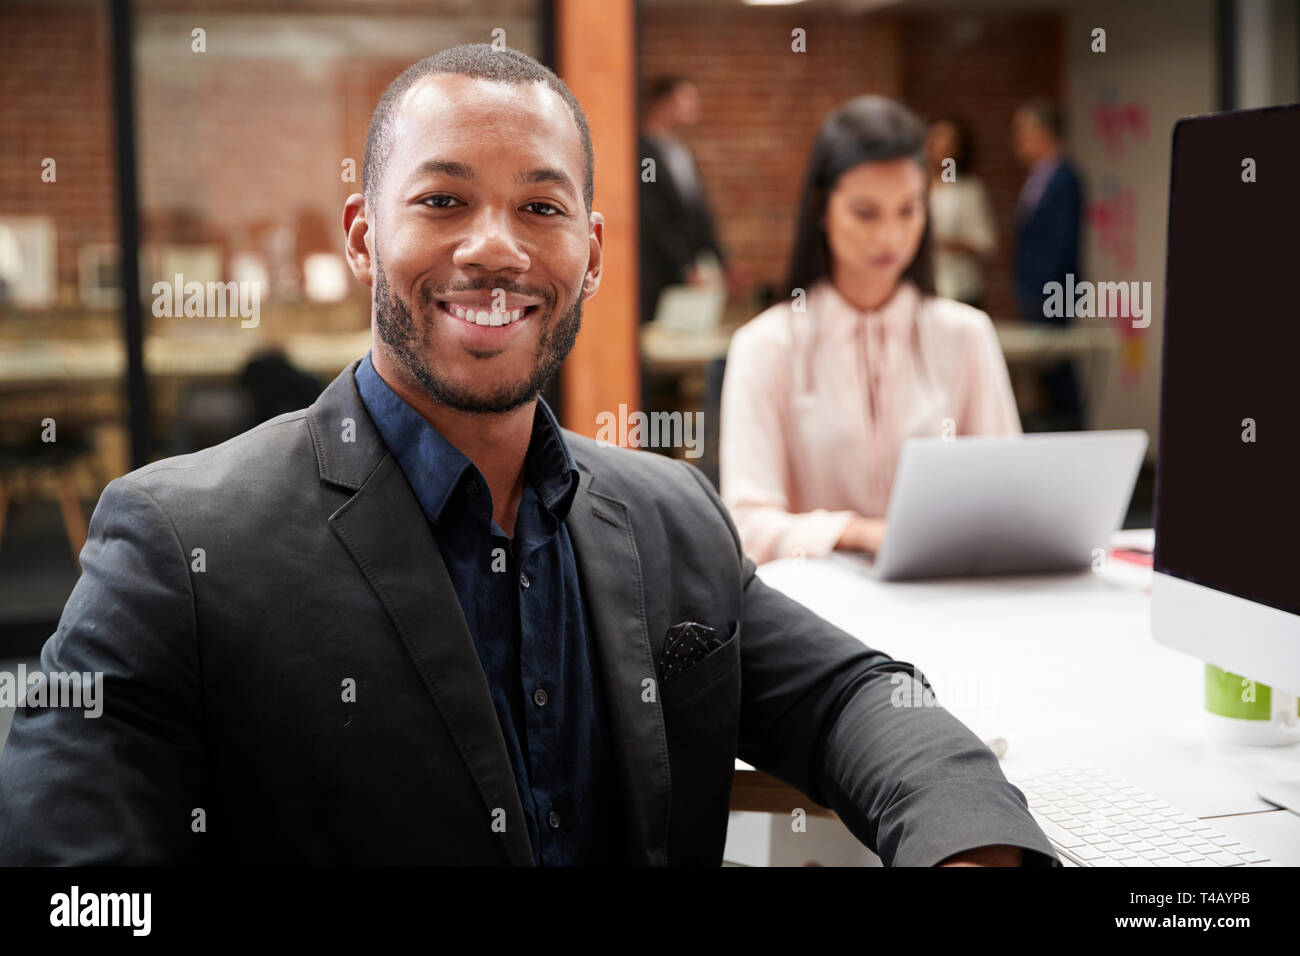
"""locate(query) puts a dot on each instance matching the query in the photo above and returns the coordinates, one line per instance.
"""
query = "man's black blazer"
(232, 597)
(673, 230)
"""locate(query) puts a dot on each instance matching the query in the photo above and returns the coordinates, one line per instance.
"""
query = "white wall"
(1160, 58)
(1159, 61)
(1266, 53)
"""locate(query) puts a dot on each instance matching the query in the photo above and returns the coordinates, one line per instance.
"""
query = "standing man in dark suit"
(676, 222)
(418, 622)
(1048, 220)
(677, 235)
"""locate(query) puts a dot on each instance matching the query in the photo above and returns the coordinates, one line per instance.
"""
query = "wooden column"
(595, 46)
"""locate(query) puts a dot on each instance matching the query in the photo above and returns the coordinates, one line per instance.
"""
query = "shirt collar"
(435, 467)
(895, 313)
(549, 465)
(1047, 165)
(1043, 170)
(1040, 174)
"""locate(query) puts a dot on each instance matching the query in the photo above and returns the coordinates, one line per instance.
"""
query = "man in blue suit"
(1048, 218)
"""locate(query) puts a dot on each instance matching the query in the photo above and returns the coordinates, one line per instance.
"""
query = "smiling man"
(418, 622)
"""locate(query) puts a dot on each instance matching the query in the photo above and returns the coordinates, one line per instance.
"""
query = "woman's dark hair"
(866, 129)
(964, 151)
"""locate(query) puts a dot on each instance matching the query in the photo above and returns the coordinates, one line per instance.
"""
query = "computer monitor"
(1227, 507)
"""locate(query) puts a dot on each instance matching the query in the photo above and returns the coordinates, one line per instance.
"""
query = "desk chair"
(31, 463)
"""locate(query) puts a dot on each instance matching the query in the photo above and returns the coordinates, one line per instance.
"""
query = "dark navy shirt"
(524, 607)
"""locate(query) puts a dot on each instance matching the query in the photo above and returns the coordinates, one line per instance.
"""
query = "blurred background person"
(961, 216)
(679, 245)
(822, 389)
(1048, 219)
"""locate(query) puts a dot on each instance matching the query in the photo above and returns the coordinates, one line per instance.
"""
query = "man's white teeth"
(486, 316)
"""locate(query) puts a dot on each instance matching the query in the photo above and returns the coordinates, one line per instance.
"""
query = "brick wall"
(230, 142)
(220, 154)
(981, 69)
(55, 101)
(226, 149)
(763, 105)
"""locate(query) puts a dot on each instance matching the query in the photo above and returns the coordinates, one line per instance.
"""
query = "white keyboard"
(1094, 818)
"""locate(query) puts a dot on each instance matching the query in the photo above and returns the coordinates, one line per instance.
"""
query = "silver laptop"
(1007, 504)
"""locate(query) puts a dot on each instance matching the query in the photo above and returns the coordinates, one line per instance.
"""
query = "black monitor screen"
(1228, 508)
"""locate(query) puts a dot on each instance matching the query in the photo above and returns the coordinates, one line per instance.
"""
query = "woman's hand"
(862, 534)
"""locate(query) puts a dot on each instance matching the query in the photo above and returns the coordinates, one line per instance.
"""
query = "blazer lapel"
(386, 532)
(610, 571)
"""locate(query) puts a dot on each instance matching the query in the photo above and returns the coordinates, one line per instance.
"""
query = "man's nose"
(491, 244)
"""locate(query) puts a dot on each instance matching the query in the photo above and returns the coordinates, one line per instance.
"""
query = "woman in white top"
(822, 389)
(961, 217)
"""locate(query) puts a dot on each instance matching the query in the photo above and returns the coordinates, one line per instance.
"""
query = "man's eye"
(554, 210)
(441, 201)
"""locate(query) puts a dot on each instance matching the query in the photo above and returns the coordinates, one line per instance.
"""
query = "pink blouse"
(816, 405)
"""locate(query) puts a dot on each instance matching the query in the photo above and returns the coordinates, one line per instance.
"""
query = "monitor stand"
(1283, 793)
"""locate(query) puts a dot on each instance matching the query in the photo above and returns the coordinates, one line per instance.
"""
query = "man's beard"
(409, 345)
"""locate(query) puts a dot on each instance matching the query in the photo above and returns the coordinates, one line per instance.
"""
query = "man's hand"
(986, 856)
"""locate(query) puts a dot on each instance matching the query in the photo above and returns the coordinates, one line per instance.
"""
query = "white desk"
(672, 349)
(1064, 668)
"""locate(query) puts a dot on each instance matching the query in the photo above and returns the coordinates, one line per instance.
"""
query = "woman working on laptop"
(822, 389)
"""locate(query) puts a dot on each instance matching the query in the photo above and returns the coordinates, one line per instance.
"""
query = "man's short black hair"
(1047, 114)
(479, 60)
(660, 88)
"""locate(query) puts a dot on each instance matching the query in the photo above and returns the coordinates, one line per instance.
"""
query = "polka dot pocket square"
(687, 644)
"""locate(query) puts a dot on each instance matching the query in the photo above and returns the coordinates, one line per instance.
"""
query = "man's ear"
(595, 255)
(357, 239)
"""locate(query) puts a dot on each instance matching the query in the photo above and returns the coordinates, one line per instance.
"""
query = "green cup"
(1231, 695)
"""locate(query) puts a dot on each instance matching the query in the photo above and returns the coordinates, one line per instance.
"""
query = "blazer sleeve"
(119, 788)
(754, 460)
(827, 714)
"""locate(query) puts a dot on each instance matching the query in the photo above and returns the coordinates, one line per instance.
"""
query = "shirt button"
(553, 819)
(471, 487)
(523, 579)
(539, 697)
